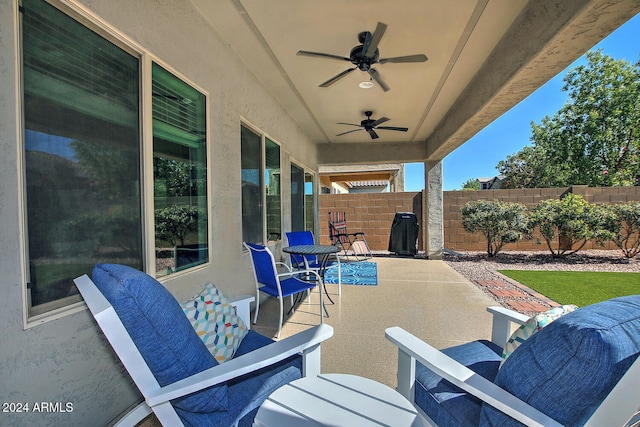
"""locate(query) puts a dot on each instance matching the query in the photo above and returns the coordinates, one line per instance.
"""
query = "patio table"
(337, 400)
(321, 251)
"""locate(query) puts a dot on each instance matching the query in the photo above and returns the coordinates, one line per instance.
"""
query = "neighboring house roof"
(364, 176)
(494, 183)
(354, 184)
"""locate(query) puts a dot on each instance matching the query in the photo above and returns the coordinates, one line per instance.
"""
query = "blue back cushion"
(263, 265)
(569, 367)
(163, 334)
(295, 238)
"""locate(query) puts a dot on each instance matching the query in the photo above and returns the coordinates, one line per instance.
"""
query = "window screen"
(81, 154)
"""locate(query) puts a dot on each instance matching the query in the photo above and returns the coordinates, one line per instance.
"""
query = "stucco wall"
(67, 360)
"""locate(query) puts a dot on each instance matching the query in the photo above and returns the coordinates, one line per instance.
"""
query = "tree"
(471, 184)
(173, 178)
(594, 139)
(500, 222)
(529, 169)
(110, 171)
(175, 222)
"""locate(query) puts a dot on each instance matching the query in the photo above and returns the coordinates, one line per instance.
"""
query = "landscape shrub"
(500, 222)
(626, 228)
(567, 224)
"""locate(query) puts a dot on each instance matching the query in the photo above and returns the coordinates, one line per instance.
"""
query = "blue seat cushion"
(569, 367)
(252, 341)
(288, 287)
(447, 404)
(161, 332)
(246, 393)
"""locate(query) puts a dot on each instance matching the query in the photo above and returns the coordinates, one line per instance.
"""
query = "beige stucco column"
(433, 226)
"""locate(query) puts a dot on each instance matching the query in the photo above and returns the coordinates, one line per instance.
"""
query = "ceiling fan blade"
(380, 121)
(321, 55)
(393, 128)
(376, 76)
(350, 124)
(370, 51)
(408, 58)
(349, 131)
(373, 133)
(334, 79)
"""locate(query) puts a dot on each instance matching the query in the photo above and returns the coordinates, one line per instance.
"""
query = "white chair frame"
(616, 409)
(156, 398)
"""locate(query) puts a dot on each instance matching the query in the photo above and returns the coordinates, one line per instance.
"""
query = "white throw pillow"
(216, 322)
(533, 325)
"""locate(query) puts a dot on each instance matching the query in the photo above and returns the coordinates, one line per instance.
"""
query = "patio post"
(433, 226)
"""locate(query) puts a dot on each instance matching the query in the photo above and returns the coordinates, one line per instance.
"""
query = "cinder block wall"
(373, 212)
(457, 239)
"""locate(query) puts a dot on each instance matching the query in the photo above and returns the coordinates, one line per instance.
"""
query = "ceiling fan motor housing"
(363, 36)
(358, 58)
(367, 124)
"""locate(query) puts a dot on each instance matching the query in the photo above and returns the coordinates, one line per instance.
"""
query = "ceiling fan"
(371, 126)
(364, 56)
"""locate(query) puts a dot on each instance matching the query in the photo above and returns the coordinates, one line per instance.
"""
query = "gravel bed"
(477, 266)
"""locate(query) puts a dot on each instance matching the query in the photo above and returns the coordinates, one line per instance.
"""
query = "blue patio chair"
(582, 369)
(295, 238)
(309, 262)
(181, 382)
(268, 280)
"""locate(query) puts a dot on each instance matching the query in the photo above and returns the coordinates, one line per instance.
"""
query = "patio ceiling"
(484, 56)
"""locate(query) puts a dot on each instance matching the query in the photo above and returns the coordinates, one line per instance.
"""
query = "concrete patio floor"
(425, 297)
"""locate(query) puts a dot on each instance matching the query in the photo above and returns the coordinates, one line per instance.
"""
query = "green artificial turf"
(577, 287)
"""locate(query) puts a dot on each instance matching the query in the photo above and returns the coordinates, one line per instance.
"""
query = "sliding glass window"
(272, 176)
(81, 154)
(179, 173)
(302, 200)
(309, 202)
(83, 159)
(297, 198)
(252, 184)
(261, 188)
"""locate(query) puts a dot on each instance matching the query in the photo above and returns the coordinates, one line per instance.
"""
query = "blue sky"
(479, 156)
